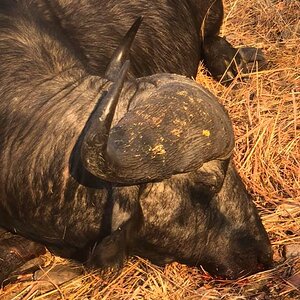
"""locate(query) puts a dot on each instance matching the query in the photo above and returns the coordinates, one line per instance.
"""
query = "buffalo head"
(176, 193)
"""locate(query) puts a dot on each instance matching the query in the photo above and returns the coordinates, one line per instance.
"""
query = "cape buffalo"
(98, 165)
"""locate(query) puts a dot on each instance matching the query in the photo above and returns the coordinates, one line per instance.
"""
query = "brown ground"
(265, 113)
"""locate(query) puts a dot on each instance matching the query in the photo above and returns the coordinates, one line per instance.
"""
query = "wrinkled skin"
(203, 216)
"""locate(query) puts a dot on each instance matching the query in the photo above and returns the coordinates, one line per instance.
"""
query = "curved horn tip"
(137, 23)
(121, 54)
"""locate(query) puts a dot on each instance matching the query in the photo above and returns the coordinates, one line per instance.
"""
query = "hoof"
(225, 62)
(253, 59)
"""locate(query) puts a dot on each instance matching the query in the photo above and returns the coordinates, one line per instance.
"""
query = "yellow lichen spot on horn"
(176, 132)
(206, 132)
(158, 150)
(157, 121)
(182, 93)
(179, 122)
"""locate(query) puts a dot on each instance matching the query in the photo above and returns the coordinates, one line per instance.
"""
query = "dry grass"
(265, 113)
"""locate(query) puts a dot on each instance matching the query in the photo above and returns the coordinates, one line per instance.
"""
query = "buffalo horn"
(121, 54)
(94, 144)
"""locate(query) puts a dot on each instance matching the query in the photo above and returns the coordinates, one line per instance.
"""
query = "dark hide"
(169, 39)
(174, 36)
(48, 100)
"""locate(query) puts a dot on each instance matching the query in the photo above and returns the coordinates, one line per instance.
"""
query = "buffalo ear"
(210, 177)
